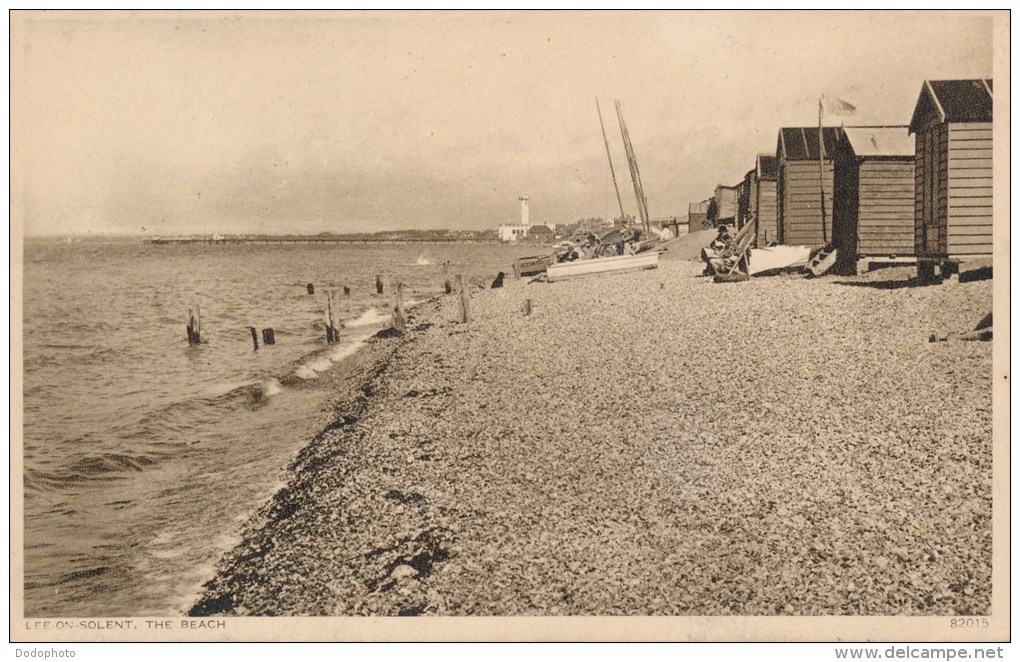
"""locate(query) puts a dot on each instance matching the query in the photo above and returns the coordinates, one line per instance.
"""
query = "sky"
(175, 123)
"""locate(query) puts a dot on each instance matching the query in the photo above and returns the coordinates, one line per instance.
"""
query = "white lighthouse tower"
(515, 231)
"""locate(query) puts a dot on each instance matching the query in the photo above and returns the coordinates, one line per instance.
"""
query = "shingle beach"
(640, 444)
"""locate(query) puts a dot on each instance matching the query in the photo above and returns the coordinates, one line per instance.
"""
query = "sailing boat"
(640, 257)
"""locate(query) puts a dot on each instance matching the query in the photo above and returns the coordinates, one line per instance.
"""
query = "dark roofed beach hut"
(799, 189)
(952, 128)
(763, 199)
(873, 202)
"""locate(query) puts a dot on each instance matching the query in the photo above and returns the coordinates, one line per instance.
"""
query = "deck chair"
(737, 253)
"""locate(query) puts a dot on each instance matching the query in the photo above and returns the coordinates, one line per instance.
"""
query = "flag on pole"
(833, 107)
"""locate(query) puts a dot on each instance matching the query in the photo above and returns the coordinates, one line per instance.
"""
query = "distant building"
(517, 231)
(541, 233)
(513, 231)
(697, 215)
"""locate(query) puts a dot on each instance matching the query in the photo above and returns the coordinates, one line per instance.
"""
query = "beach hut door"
(931, 190)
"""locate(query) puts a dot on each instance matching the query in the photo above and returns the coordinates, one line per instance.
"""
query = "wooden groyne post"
(527, 307)
(311, 288)
(447, 286)
(378, 284)
(254, 337)
(332, 313)
(465, 300)
(268, 337)
(194, 326)
(399, 319)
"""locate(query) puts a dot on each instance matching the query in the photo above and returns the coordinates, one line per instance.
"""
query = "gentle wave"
(370, 317)
(101, 466)
(312, 368)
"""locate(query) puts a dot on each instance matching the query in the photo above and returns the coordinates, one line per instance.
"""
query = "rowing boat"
(602, 265)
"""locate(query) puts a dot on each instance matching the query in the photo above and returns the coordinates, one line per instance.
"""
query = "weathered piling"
(347, 290)
(337, 322)
(447, 286)
(194, 326)
(465, 299)
(527, 307)
(378, 284)
(399, 319)
(268, 337)
(254, 337)
(325, 322)
(332, 313)
(311, 288)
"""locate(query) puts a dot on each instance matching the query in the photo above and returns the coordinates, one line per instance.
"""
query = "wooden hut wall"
(800, 203)
(744, 212)
(931, 179)
(885, 207)
(845, 192)
(953, 190)
(953, 171)
(725, 203)
(873, 204)
(970, 189)
(766, 211)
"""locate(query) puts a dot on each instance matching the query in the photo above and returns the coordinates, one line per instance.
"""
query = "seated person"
(715, 253)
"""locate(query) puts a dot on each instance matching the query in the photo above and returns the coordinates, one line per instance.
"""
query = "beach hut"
(873, 196)
(800, 188)
(952, 129)
(725, 205)
(744, 198)
(697, 215)
(763, 200)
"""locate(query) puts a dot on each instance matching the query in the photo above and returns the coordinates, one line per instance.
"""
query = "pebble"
(402, 571)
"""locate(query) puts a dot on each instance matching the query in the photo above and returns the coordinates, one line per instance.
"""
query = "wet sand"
(645, 443)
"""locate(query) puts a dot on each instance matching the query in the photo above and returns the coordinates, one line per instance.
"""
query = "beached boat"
(532, 265)
(602, 265)
(778, 257)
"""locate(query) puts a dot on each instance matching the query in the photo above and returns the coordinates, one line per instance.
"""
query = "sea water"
(144, 456)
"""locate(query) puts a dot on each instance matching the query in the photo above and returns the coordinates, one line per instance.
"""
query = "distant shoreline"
(283, 239)
(313, 240)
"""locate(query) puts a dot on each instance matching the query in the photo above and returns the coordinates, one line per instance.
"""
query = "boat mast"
(616, 186)
(635, 174)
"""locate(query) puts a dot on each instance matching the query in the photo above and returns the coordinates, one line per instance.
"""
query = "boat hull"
(603, 265)
(778, 257)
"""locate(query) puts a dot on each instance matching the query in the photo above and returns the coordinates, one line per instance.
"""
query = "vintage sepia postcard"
(510, 325)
